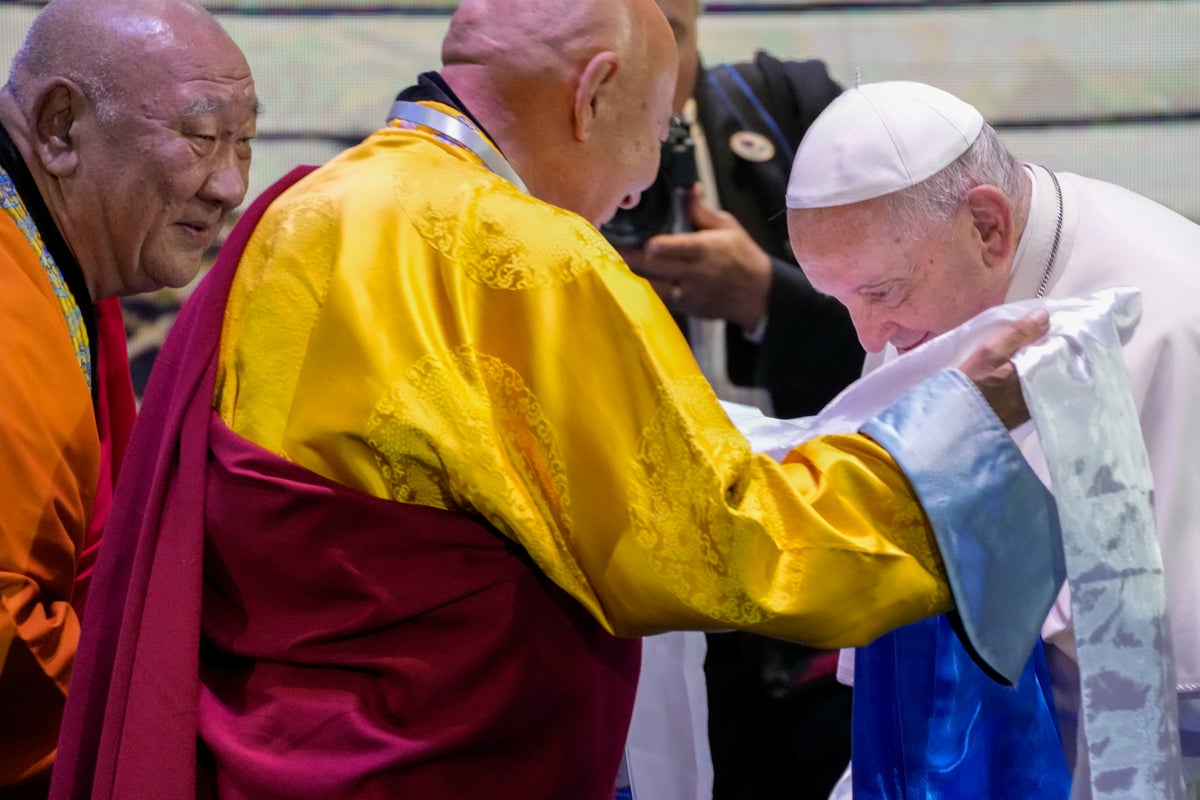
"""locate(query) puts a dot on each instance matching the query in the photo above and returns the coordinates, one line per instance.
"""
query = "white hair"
(934, 201)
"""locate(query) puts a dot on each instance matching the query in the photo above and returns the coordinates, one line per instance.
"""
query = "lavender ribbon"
(1078, 395)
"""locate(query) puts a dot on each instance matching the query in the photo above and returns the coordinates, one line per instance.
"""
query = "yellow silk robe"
(408, 324)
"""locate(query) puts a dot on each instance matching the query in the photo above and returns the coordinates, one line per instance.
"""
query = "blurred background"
(1106, 88)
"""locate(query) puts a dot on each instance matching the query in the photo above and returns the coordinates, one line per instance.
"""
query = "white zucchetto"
(878, 138)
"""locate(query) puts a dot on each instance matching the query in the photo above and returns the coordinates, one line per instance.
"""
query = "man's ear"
(56, 115)
(595, 86)
(992, 213)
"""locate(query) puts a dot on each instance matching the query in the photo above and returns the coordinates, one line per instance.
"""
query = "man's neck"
(492, 107)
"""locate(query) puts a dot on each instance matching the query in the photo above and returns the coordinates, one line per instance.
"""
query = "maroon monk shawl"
(115, 412)
(257, 631)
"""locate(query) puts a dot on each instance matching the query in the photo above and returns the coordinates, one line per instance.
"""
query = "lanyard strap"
(460, 133)
(15, 208)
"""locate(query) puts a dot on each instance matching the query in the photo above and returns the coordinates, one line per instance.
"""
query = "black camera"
(662, 208)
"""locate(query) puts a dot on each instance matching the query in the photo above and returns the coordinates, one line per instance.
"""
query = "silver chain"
(1057, 237)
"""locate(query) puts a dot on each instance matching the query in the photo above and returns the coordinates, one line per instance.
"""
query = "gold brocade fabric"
(410, 325)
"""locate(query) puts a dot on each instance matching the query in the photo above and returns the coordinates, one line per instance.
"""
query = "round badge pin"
(751, 146)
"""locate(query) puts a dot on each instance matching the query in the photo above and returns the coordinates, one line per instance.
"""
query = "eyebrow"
(872, 287)
(207, 105)
(907, 276)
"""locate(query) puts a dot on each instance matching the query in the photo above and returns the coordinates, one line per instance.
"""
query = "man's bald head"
(573, 93)
(102, 46)
(530, 37)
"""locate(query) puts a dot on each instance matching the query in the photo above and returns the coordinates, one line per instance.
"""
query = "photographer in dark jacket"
(779, 723)
(737, 266)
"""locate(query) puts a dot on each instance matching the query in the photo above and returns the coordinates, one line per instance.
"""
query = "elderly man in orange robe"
(124, 142)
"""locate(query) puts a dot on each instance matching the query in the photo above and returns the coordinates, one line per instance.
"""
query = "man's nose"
(227, 182)
(874, 331)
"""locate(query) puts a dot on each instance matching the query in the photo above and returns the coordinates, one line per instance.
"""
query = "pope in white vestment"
(1113, 237)
(894, 158)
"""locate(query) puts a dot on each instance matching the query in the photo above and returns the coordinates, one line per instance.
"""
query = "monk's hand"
(991, 369)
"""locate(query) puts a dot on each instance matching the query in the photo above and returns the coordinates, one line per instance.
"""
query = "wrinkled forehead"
(195, 72)
(143, 28)
(202, 53)
(837, 225)
(845, 239)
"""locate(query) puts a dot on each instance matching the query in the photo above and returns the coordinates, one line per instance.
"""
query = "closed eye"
(203, 143)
